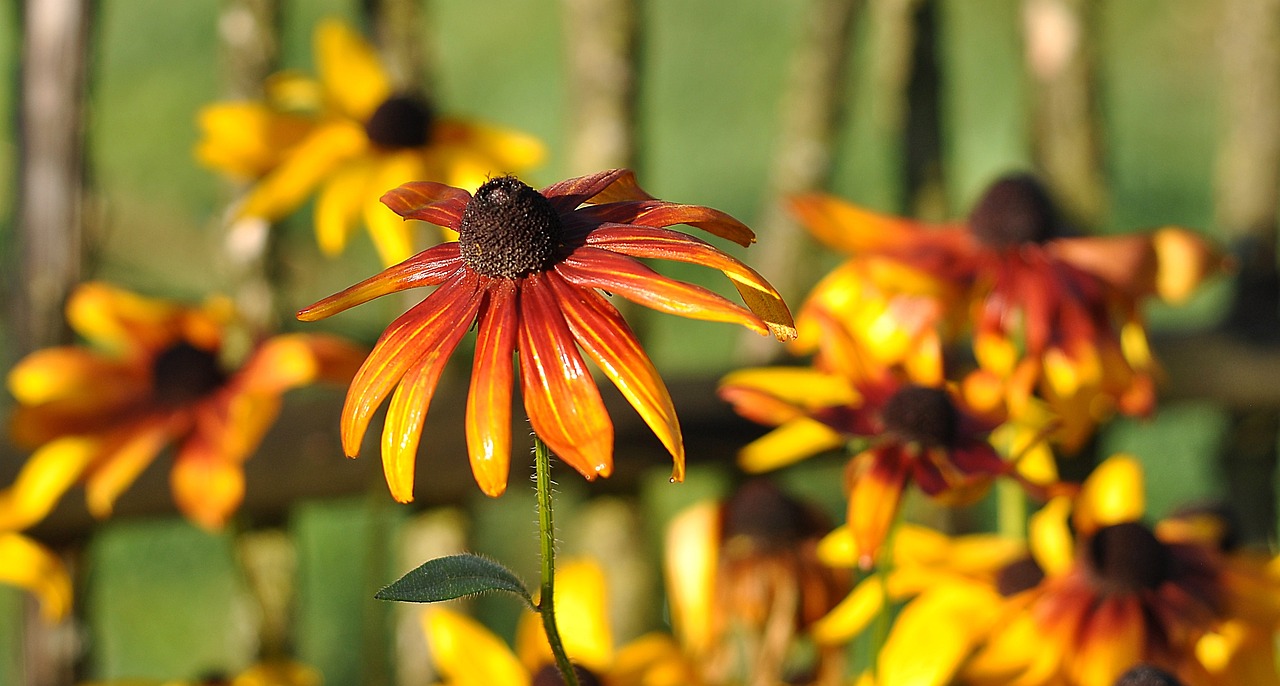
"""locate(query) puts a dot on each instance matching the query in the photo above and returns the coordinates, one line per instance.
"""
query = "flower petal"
(614, 185)
(405, 342)
(950, 619)
(561, 398)
(582, 604)
(800, 386)
(122, 459)
(77, 375)
(1050, 538)
(291, 360)
(761, 297)
(430, 267)
(627, 277)
(506, 150)
(690, 559)
(1113, 494)
(850, 229)
(33, 567)
(43, 479)
(350, 71)
(430, 202)
(488, 416)
(875, 481)
(121, 321)
(848, 618)
(659, 213)
(793, 441)
(602, 332)
(301, 171)
(467, 654)
(246, 139)
(338, 204)
(207, 486)
(390, 232)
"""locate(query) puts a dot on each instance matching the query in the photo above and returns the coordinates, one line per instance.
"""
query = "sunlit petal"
(390, 233)
(852, 614)
(74, 374)
(339, 203)
(429, 202)
(206, 486)
(1051, 542)
(614, 185)
(950, 620)
(1112, 494)
(875, 482)
(604, 335)
(624, 276)
(1112, 640)
(29, 565)
(467, 654)
(246, 139)
(288, 185)
(430, 267)
(43, 479)
(508, 150)
(350, 71)
(656, 213)
(789, 443)
(293, 360)
(689, 563)
(120, 463)
(488, 416)
(801, 386)
(561, 398)
(118, 320)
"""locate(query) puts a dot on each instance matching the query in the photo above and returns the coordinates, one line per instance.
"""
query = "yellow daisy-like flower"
(152, 374)
(529, 272)
(350, 136)
(467, 654)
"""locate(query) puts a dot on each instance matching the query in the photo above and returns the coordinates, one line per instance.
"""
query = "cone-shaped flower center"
(1019, 576)
(762, 517)
(922, 415)
(550, 676)
(184, 373)
(1146, 675)
(508, 229)
(1126, 558)
(402, 121)
(1015, 210)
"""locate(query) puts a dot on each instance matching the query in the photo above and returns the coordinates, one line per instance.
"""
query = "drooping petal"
(759, 295)
(853, 614)
(405, 342)
(207, 486)
(467, 654)
(602, 332)
(123, 458)
(1051, 541)
(408, 409)
(613, 185)
(658, 214)
(350, 72)
(561, 398)
(43, 479)
(1113, 494)
(29, 565)
(615, 273)
(793, 441)
(431, 267)
(488, 417)
(428, 201)
(1112, 639)
(288, 185)
(875, 482)
(849, 229)
(390, 233)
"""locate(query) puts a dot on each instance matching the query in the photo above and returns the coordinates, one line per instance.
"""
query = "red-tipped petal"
(659, 214)
(409, 338)
(430, 267)
(875, 481)
(602, 332)
(428, 201)
(560, 396)
(616, 273)
(759, 295)
(613, 185)
(489, 400)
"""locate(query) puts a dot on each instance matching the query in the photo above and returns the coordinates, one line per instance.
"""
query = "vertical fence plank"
(50, 206)
(600, 38)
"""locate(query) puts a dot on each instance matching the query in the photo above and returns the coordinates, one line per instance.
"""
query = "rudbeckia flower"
(467, 654)
(530, 270)
(1051, 314)
(745, 585)
(350, 136)
(152, 373)
(913, 434)
(1113, 592)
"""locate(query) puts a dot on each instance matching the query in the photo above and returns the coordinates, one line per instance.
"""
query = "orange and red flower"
(1051, 313)
(152, 374)
(528, 271)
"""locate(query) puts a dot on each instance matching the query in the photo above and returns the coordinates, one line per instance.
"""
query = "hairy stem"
(547, 534)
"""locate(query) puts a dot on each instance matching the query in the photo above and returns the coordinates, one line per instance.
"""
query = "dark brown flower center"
(508, 229)
(1126, 558)
(402, 121)
(1019, 576)
(1015, 210)
(762, 514)
(550, 676)
(184, 373)
(922, 415)
(1146, 675)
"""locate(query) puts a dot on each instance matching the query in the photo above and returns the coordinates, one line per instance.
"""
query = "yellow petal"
(467, 654)
(1051, 541)
(1183, 261)
(338, 207)
(246, 139)
(507, 150)
(29, 565)
(802, 386)
(852, 614)
(116, 470)
(302, 170)
(950, 620)
(582, 615)
(74, 374)
(353, 77)
(118, 320)
(1112, 494)
(390, 232)
(690, 561)
(47, 475)
(787, 444)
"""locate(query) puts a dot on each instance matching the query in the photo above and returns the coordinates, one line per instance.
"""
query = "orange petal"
(658, 214)
(850, 229)
(121, 463)
(430, 202)
(614, 185)
(1184, 260)
(875, 480)
(121, 321)
(489, 400)
(561, 398)
(33, 567)
(1112, 640)
(292, 360)
(761, 297)
(430, 267)
(627, 277)
(207, 487)
(602, 332)
(408, 340)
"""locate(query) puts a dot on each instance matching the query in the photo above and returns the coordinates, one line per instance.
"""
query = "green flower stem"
(547, 534)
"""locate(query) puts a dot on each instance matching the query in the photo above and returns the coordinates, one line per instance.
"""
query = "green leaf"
(454, 576)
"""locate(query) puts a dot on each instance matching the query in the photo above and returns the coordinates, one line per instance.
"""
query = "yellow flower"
(528, 273)
(467, 654)
(152, 374)
(350, 136)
